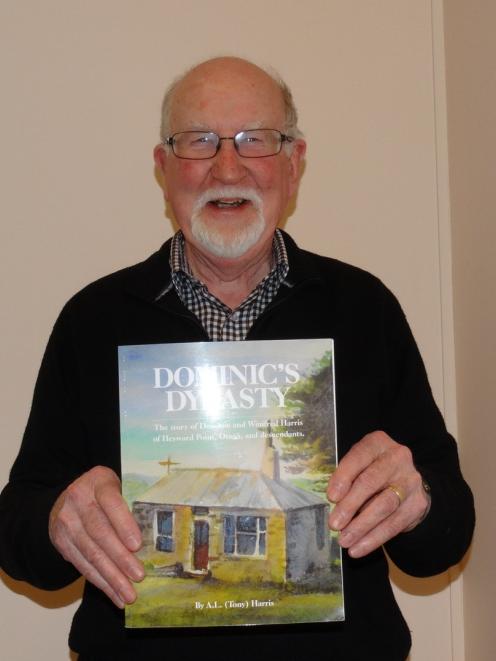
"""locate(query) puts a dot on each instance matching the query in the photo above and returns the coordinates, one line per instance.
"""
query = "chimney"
(270, 460)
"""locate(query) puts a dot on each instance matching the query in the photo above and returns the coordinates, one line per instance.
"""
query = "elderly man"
(231, 157)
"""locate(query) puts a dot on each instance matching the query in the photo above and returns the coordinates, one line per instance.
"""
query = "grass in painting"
(174, 602)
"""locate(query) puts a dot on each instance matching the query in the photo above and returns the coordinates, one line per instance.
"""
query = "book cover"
(226, 452)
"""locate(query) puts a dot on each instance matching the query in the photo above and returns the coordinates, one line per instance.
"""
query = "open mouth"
(228, 203)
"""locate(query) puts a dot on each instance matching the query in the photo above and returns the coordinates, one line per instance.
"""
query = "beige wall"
(81, 90)
(471, 84)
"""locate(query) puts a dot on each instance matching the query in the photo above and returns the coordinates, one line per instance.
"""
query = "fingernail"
(335, 492)
(335, 521)
(356, 551)
(133, 543)
(345, 539)
(128, 596)
(137, 573)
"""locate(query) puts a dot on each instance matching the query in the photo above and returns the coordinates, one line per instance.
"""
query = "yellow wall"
(182, 534)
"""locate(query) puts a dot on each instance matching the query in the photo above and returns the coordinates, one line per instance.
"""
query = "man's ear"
(160, 158)
(296, 162)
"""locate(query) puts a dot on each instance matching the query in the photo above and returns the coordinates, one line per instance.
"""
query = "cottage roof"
(223, 487)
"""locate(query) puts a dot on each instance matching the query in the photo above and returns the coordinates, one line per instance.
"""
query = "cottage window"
(164, 540)
(244, 535)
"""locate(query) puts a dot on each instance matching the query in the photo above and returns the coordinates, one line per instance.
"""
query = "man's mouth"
(229, 203)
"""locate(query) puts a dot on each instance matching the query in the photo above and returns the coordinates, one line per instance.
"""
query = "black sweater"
(380, 384)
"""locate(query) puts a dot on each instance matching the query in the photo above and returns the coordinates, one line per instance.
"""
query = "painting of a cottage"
(236, 526)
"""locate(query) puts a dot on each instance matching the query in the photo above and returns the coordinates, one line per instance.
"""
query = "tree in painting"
(311, 399)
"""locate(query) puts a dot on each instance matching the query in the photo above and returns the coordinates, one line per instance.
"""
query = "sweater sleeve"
(52, 455)
(412, 418)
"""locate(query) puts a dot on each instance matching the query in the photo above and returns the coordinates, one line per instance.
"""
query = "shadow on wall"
(423, 587)
(47, 599)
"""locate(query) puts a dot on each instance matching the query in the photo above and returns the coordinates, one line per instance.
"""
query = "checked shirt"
(219, 320)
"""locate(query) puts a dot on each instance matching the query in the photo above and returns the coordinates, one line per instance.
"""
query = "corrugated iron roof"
(223, 487)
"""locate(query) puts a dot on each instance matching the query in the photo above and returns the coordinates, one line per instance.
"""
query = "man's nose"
(228, 165)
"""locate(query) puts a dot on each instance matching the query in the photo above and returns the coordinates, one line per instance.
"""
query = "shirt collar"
(151, 279)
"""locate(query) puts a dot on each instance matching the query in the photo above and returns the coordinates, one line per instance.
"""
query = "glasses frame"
(169, 142)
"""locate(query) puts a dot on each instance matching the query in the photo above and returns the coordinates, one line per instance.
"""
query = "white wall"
(82, 84)
(471, 77)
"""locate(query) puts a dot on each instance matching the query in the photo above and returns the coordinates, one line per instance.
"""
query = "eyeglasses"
(255, 143)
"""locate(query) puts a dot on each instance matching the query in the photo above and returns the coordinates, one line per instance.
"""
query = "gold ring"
(398, 491)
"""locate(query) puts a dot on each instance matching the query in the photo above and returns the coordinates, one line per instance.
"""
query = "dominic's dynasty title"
(207, 387)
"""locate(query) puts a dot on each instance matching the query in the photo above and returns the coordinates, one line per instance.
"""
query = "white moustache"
(226, 193)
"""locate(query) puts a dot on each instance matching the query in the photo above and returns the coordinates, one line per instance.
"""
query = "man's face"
(228, 205)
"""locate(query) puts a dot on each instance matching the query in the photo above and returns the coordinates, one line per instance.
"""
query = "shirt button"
(235, 316)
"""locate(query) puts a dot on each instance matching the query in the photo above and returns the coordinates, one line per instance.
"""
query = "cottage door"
(200, 554)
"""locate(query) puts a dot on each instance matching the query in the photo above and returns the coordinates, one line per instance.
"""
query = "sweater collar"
(151, 280)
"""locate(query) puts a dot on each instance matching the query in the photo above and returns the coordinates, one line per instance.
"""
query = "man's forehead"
(227, 70)
(202, 91)
(235, 90)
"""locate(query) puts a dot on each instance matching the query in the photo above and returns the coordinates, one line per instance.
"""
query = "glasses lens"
(258, 142)
(195, 144)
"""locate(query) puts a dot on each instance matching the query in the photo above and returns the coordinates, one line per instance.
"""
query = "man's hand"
(92, 527)
(378, 494)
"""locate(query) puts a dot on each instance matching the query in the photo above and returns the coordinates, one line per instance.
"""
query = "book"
(226, 452)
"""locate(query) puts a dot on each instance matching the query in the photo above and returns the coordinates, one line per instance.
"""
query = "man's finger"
(356, 460)
(384, 517)
(97, 529)
(116, 510)
(90, 572)
(109, 568)
(97, 562)
(377, 510)
(382, 533)
(91, 526)
(385, 470)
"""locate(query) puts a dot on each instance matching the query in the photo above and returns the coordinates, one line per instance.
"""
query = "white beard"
(229, 238)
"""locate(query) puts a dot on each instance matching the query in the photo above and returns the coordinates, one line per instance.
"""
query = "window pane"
(164, 544)
(228, 534)
(164, 523)
(201, 532)
(261, 544)
(246, 544)
(247, 523)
